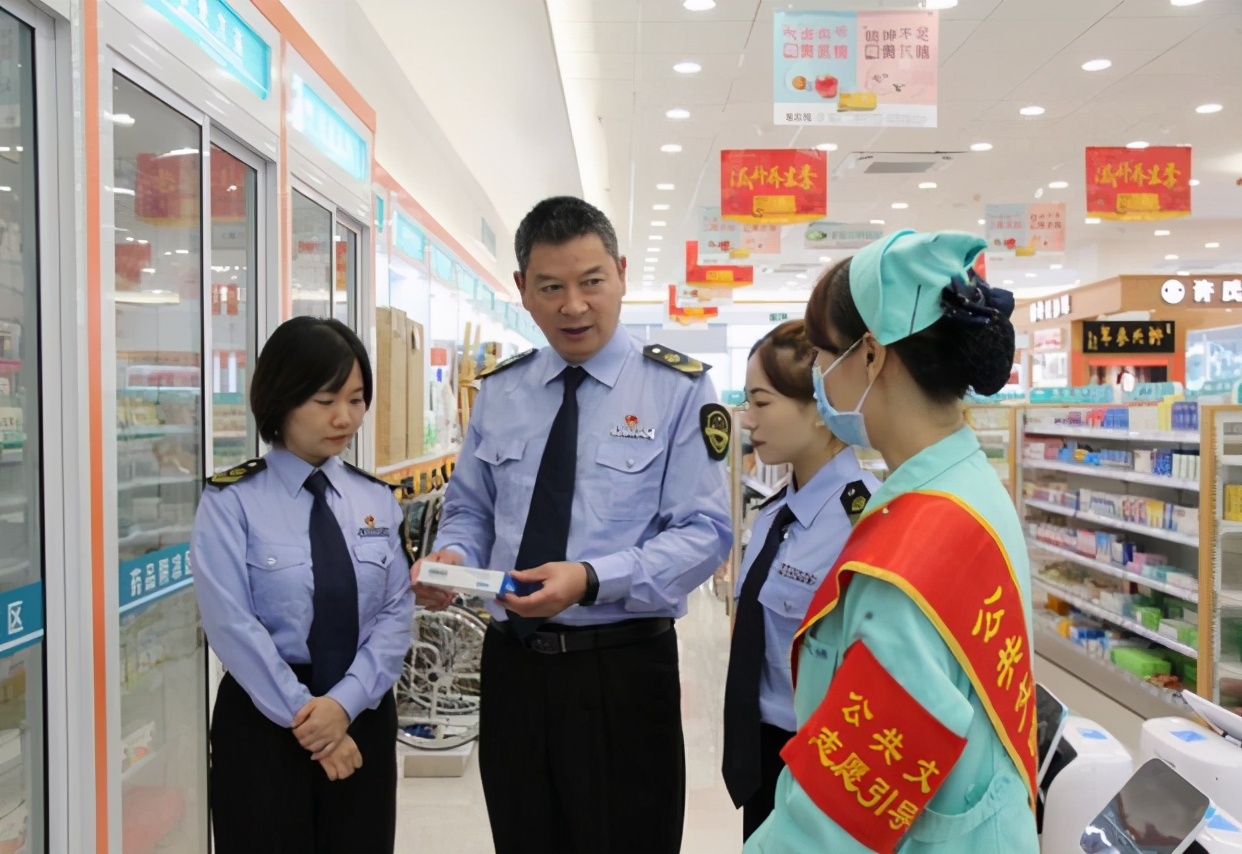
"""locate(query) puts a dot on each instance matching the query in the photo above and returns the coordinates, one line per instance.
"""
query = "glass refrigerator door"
(158, 195)
(21, 531)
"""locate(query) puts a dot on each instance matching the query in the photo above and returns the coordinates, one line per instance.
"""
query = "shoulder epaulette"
(854, 499)
(677, 361)
(369, 476)
(773, 498)
(235, 475)
(506, 364)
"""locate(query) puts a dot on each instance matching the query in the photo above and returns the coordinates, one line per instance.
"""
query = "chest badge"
(368, 529)
(631, 430)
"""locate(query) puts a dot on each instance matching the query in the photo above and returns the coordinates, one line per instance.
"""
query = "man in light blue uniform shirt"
(595, 468)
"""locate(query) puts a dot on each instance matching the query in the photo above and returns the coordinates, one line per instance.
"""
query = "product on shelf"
(1166, 417)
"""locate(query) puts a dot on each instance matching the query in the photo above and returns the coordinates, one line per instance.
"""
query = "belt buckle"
(546, 643)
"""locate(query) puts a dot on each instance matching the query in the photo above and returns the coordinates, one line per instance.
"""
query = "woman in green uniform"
(913, 685)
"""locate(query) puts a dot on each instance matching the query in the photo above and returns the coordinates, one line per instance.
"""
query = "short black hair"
(304, 356)
(946, 359)
(559, 220)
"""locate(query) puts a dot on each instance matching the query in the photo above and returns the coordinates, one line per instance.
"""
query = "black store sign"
(1128, 336)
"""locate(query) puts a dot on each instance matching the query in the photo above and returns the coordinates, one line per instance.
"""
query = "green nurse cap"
(897, 282)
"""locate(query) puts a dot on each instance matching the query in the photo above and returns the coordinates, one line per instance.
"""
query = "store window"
(313, 288)
(346, 248)
(21, 529)
(158, 197)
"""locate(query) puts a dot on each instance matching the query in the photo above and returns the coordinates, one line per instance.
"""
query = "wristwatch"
(592, 588)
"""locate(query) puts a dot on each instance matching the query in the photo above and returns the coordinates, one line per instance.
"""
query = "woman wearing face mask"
(913, 684)
(794, 542)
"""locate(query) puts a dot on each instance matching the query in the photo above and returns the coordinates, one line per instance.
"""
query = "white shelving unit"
(1184, 593)
(1112, 474)
(1109, 522)
(1179, 437)
(1088, 607)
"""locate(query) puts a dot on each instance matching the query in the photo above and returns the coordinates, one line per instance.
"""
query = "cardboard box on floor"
(416, 390)
(391, 370)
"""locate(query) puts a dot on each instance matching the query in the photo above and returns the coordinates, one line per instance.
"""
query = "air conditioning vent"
(862, 163)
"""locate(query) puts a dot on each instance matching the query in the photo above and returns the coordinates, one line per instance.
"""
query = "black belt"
(553, 639)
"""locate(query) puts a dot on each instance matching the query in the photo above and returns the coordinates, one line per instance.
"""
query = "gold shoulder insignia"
(854, 499)
(506, 364)
(662, 355)
(238, 473)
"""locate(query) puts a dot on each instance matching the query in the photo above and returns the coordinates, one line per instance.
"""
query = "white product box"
(485, 583)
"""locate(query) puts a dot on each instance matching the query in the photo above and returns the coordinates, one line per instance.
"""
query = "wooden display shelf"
(416, 467)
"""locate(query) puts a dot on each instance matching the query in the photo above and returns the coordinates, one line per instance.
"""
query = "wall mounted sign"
(1077, 394)
(225, 37)
(1025, 229)
(153, 576)
(1051, 309)
(1202, 291)
(773, 186)
(1128, 336)
(22, 611)
(322, 126)
(1138, 184)
(877, 69)
(408, 238)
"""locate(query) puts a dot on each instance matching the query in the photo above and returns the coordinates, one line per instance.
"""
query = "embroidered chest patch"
(798, 575)
(632, 429)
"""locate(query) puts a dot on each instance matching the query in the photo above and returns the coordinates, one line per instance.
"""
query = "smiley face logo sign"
(714, 424)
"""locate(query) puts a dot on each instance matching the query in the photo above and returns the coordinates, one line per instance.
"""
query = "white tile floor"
(448, 815)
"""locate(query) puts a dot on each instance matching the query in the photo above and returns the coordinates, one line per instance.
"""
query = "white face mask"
(849, 427)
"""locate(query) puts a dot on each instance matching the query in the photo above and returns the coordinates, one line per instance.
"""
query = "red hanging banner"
(1138, 183)
(773, 186)
(719, 275)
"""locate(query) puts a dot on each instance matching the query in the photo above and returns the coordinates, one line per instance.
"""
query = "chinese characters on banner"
(1051, 309)
(1202, 292)
(718, 237)
(715, 275)
(1026, 229)
(1138, 184)
(876, 69)
(773, 187)
(1128, 336)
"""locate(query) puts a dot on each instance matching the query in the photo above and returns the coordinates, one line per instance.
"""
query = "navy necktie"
(546, 535)
(746, 655)
(333, 638)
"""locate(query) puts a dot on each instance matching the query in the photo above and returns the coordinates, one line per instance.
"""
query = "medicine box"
(485, 583)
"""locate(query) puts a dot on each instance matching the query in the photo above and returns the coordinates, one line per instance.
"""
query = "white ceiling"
(616, 59)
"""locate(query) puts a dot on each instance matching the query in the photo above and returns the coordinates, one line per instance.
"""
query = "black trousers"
(582, 752)
(755, 812)
(268, 796)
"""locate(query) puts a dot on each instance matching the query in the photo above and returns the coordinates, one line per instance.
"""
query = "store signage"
(1202, 291)
(1128, 336)
(876, 69)
(1077, 394)
(153, 576)
(322, 126)
(778, 317)
(773, 186)
(687, 311)
(717, 235)
(225, 37)
(441, 265)
(1151, 392)
(822, 234)
(719, 275)
(379, 213)
(1138, 184)
(22, 610)
(1051, 309)
(408, 238)
(1025, 229)
(1049, 340)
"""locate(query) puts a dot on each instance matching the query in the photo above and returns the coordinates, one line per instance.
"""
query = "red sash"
(951, 563)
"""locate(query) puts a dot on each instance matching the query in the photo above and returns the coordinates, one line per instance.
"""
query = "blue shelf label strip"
(23, 618)
(153, 576)
(225, 37)
(316, 120)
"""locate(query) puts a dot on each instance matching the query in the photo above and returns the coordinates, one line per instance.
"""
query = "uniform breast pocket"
(513, 484)
(280, 582)
(788, 590)
(627, 480)
(372, 561)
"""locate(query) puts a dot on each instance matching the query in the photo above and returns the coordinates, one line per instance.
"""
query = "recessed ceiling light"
(1194, 182)
(1092, 220)
(1030, 275)
(1211, 246)
(1138, 143)
(1032, 111)
(900, 206)
(1183, 272)
(656, 237)
(1170, 257)
(827, 146)
(699, 5)
(981, 146)
(671, 148)
(1162, 232)
(1208, 108)
(648, 269)
(927, 185)
(659, 207)
(1097, 65)
(1058, 185)
(666, 186)
(1184, 2)
(824, 259)
(658, 223)
(1007, 282)
(653, 248)
(678, 113)
(687, 67)
(938, 4)
(877, 222)
(983, 222)
(651, 260)
(1056, 266)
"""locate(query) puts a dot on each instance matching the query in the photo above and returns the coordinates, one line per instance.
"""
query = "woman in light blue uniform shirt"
(912, 670)
(304, 588)
(806, 522)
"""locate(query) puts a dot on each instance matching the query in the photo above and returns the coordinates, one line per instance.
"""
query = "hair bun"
(989, 353)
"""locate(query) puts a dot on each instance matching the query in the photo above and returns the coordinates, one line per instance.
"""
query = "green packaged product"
(1149, 617)
(1189, 636)
(1141, 662)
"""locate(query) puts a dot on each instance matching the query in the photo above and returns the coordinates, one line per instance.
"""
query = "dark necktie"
(746, 655)
(333, 638)
(546, 535)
